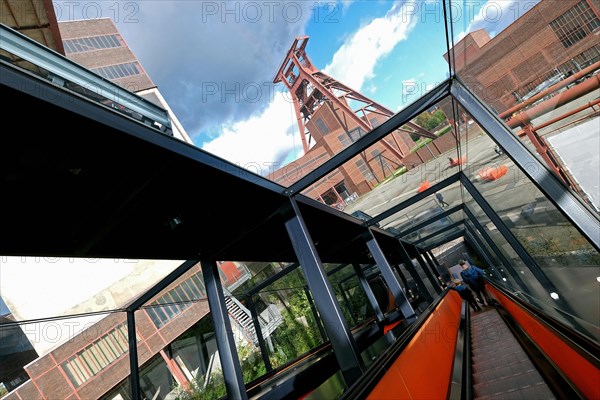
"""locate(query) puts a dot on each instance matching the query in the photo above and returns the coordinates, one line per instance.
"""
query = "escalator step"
(539, 391)
(503, 371)
(498, 362)
(521, 381)
(507, 347)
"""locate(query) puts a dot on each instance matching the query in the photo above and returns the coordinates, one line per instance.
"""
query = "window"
(176, 300)
(91, 43)
(321, 125)
(117, 71)
(97, 356)
(575, 24)
(364, 170)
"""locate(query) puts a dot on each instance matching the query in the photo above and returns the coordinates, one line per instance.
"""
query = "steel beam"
(431, 274)
(550, 185)
(434, 234)
(230, 363)
(259, 335)
(430, 221)
(364, 283)
(388, 276)
(445, 240)
(134, 377)
(410, 267)
(339, 334)
(318, 321)
(414, 199)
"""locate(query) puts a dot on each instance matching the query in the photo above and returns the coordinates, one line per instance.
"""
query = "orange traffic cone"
(424, 186)
(493, 173)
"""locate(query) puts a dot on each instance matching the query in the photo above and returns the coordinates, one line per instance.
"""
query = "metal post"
(369, 293)
(432, 278)
(388, 276)
(318, 321)
(259, 334)
(433, 267)
(353, 314)
(479, 248)
(134, 377)
(408, 264)
(230, 363)
(433, 258)
(505, 262)
(339, 334)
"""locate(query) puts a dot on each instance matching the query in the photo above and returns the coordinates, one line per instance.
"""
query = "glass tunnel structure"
(269, 291)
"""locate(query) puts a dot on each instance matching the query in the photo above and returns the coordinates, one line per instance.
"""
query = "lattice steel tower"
(312, 89)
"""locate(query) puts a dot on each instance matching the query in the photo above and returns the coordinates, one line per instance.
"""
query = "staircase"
(501, 369)
(269, 319)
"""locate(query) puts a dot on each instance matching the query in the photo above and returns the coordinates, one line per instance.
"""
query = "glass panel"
(110, 284)
(295, 330)
(564, 257)
(351, 296)
(63, 357)
(533, 63)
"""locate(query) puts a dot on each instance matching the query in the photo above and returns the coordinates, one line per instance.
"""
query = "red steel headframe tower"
(311, 89)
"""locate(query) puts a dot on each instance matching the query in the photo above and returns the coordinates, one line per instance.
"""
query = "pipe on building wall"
(568, 95)
(549, 90)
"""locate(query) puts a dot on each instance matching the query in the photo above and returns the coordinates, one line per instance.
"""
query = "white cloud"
(355, 61)
(263, 142)
(494, 15)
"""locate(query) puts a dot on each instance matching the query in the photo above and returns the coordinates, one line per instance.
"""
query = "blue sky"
(214, 61)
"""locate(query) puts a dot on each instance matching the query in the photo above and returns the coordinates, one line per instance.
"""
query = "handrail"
(461, 386)
(364, 385)
(578, 342)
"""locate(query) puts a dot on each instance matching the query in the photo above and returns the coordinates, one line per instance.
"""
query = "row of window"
(575, 24)
(350, 137)
(580, 61)
(118, 71)
(176, 300)
(81, 45)
(94, 358)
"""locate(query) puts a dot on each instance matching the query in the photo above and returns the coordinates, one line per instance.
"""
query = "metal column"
(369, 293)
(134, 377)
(318, 321)
(230, 363)
(432, 278)
(408, 264)
(389, 277)
(259, 335)
(339, 334)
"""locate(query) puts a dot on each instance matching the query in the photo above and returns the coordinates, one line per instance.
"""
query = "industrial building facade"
(551, 41)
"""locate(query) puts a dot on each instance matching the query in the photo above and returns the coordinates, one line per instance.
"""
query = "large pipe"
(551, 89)
(591, 104)
(563, 98)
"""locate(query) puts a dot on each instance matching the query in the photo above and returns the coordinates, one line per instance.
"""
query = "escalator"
(500, 367)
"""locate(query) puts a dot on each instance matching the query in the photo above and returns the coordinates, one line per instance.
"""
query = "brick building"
(554, 39)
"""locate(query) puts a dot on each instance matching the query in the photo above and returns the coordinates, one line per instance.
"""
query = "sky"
(215, 61)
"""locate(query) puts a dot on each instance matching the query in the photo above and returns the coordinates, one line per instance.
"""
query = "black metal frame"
(561, 196)
(429, 221)
(439, 231)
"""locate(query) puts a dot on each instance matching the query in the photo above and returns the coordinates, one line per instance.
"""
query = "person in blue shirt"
(473, 276)
(465, 293)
